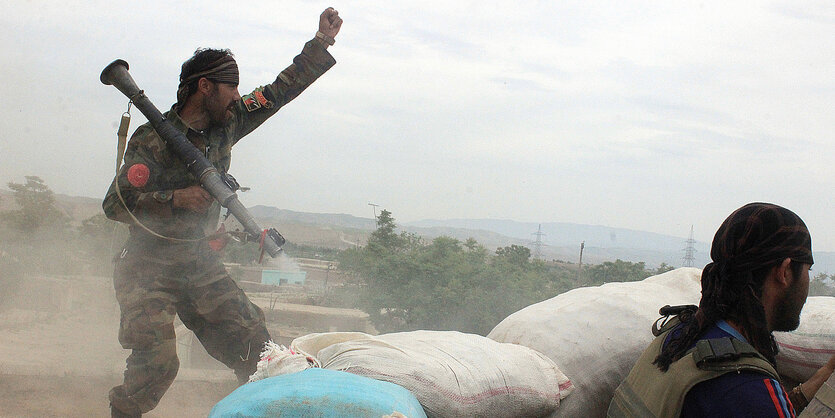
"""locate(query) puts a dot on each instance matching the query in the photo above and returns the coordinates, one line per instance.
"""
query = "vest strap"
(717, 350)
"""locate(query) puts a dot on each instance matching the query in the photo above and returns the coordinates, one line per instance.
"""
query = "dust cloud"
(59, 352)
(59, 322)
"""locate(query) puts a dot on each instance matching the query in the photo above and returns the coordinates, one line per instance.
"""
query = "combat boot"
(118, 413)
(121, 406)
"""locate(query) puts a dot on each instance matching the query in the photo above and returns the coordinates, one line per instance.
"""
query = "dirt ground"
(59, 355)
(86, 396)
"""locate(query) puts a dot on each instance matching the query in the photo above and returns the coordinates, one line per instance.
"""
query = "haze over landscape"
(632, 115)
(560, 241)
(619, 124)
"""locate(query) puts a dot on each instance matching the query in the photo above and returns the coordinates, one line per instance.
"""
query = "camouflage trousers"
(150, 294)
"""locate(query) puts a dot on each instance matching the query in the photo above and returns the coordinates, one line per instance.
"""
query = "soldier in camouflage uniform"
(167, 267)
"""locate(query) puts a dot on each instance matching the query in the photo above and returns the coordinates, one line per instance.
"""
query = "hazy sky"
(643, 115)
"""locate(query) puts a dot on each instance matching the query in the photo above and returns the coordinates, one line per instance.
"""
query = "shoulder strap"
(122, 134)
(722, 349)
(723, 354)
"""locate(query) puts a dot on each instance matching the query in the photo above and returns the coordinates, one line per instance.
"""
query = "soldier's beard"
(219, 113)
(787, 317)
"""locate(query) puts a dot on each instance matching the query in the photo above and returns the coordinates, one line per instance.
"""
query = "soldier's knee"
(144, 332)
(159, 360)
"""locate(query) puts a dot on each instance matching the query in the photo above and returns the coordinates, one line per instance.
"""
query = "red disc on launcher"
(138, 175)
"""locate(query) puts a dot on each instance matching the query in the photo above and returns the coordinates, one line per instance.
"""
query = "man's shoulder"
(746, 393)
(145, 134)
(741, 381)
(738, 394)
(147, 141)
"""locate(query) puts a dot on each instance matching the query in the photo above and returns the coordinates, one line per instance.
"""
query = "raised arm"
(314, 60)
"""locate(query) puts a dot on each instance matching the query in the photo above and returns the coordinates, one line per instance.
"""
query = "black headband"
(224, 70)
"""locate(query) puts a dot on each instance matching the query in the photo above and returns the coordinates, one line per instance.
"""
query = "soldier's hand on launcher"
(193, 198)
(330, 22)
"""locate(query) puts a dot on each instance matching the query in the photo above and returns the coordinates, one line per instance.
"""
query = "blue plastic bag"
(318, 393)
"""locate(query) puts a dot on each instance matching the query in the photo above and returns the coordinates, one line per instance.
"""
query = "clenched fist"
(330, 22)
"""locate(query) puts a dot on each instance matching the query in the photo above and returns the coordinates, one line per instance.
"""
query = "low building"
(278, 278)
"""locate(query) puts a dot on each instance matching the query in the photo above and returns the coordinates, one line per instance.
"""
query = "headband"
(224, 70)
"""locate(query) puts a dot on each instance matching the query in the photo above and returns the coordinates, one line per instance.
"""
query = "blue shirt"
(744, 394)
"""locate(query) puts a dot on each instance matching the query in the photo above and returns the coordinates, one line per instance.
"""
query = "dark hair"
(750, 243)
(202, 59)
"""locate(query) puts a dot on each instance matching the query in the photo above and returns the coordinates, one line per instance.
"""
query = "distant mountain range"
(602, 243)
(560, 241)
(332, 219)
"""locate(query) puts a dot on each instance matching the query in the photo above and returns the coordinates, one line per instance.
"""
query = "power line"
(537, 245)
(690, 250)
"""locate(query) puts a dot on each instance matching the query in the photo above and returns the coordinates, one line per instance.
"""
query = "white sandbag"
(596, 334)
(452, 374)
(805, 350)
(277, 360)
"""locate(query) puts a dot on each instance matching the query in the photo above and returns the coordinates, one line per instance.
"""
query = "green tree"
(618, 271)
(407, 284)
(821, 285)
(404, 283)
(37, 206)
(38, 235)
(385, 240)
(663, 268)
(514, 254)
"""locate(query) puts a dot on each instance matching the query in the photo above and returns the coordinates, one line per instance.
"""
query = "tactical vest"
(649, 392)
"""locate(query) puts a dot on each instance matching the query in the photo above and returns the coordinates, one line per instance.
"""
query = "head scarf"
(224, 70)
(758, 235)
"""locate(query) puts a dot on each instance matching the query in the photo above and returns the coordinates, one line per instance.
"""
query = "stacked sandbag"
(452, 374)
(277, 360)
(596, 334)
(318, 393)
(804, 351)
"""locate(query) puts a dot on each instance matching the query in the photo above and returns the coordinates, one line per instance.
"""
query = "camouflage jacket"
(151, 203)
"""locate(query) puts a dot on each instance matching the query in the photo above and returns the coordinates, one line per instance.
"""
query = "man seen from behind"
(719, 359)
